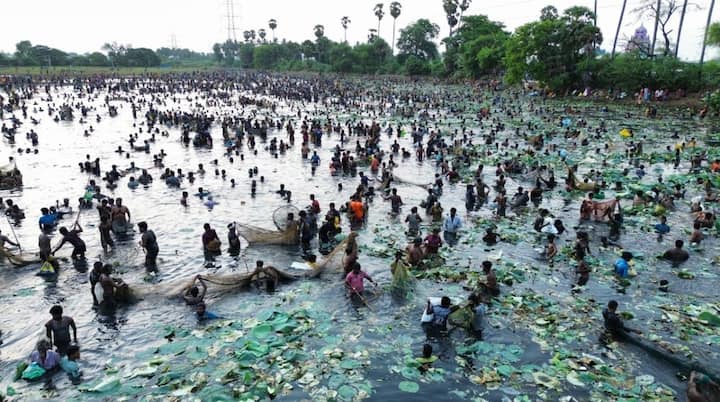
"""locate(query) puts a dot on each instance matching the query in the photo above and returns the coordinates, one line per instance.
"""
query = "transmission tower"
(231, 30)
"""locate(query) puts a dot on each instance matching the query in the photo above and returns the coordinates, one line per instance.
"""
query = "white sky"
(84, 25)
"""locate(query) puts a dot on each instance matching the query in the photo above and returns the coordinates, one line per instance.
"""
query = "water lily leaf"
(346, 392)
(336, 381)
(644, 380)
(350, 364)
(262, 331)
(409, 386)
(711, 318)
(505, 370)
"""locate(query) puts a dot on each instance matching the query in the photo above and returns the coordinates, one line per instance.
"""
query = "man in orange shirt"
(358, 211)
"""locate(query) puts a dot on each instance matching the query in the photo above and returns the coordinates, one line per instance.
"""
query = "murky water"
(389, 330)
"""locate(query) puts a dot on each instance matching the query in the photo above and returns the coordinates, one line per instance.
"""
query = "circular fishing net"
(280, 216)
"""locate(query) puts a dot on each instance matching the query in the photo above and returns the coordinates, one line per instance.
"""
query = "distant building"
(639, 42)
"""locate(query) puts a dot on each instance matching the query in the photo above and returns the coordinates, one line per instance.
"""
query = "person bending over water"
(72, 237)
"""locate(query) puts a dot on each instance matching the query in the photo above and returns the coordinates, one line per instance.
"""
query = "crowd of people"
(366, 150)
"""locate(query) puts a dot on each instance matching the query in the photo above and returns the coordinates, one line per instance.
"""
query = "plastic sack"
(33, 372)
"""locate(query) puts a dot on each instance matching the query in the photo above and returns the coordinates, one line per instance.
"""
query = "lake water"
(380, 339)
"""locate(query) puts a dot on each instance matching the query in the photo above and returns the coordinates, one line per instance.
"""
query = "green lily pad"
(262, 331)
(711, 318)
(346, 392)
(350, 364)
(409, 386)
(336, 381)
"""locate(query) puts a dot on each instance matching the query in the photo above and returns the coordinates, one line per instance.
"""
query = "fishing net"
(398, 179)
(217, 284)
(256, 235)
(280, 216)
(19, 259)
(334, 259)
(581, 185)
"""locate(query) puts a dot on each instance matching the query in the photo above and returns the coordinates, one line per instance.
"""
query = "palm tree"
(246, 35)
(450, 7)
(379, 13)
(252, 35)
(617, 32)
(345, 21)
(395, 9)
(272, 24)
(705, 37)
(319, 31)
(682, 19)
(262, 34)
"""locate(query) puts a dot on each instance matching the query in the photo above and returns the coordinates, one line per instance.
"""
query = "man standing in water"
(451, 226)
(105, 224)
(614, 326)
(120, 217)
(148, 241)
(58, 329)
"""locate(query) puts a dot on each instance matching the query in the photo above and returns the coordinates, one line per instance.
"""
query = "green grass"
(35, 70)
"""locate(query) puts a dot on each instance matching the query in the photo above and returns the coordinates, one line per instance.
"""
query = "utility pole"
(595, 12)
(231, 30)
(657, 22)
(707, 26)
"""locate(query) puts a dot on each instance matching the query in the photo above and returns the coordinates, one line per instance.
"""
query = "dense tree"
(481, 45)
(713, 38)
(551, 50)
(417, 39)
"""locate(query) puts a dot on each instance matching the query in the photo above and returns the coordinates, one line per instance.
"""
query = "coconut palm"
(345, 21)
(319, 31)
(253, 34)
(262, 34)
(379, 13)
(272, 24)
(395, 9)
(246, 35)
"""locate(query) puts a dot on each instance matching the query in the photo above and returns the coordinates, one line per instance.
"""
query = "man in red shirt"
(354, 280)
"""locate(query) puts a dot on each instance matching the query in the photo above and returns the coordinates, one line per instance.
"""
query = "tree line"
(113, 55)
(560, 51)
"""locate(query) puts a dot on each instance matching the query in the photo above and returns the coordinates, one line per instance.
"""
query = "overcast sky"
(84, 25)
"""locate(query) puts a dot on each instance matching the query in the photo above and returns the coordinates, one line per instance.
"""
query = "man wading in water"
(148, 242)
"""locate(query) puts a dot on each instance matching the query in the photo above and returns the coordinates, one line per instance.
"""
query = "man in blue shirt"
(622, 265)
(47, 221)
(662, 227)
(451, 226)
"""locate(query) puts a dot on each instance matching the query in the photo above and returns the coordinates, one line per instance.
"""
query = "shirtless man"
(120, 217)
(415, 252)
(194, 294)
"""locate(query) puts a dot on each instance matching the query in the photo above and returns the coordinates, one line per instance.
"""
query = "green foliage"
(416, 66)
(417, 39)
(630, 72)
(550, 50)
(480, 46)
(713, 38)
